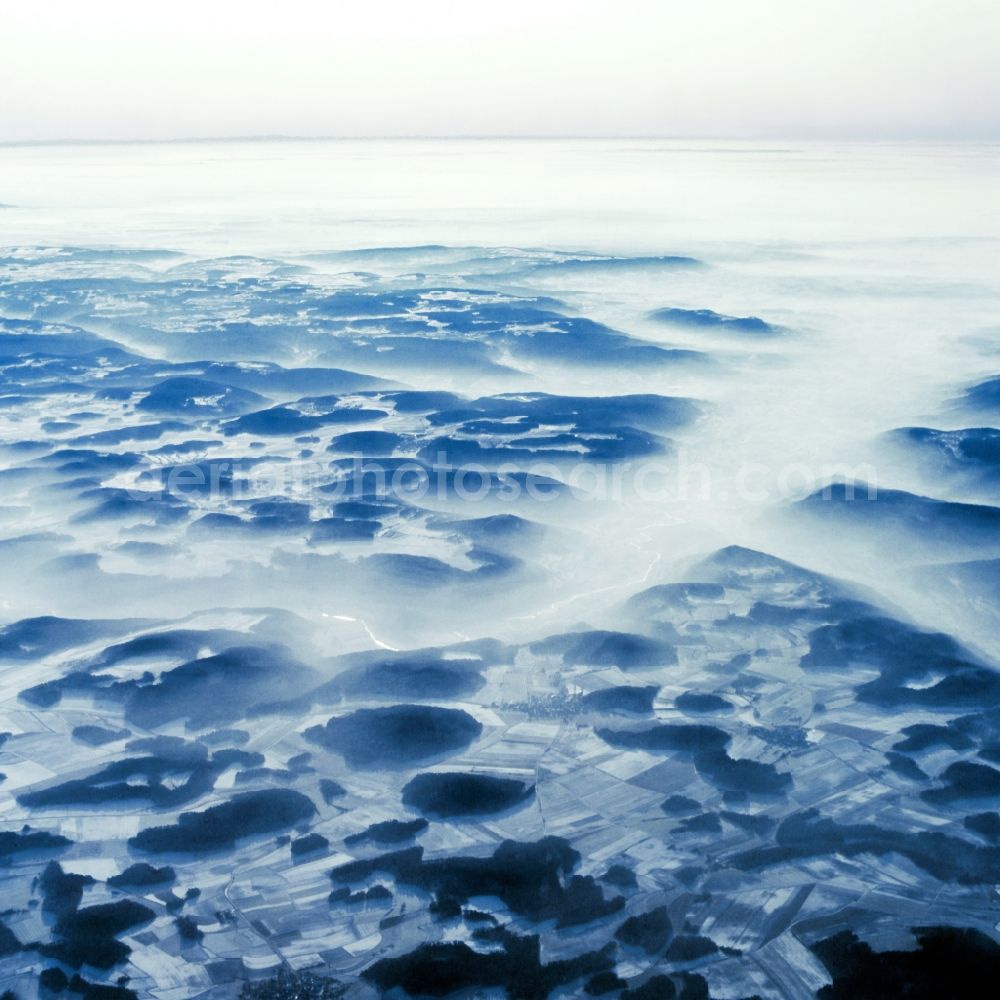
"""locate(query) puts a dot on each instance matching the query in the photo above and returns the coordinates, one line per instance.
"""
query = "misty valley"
(499, 621)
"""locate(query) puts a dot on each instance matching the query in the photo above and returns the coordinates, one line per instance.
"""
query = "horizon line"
(499, 136)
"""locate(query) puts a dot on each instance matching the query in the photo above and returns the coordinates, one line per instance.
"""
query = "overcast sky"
(89, 69)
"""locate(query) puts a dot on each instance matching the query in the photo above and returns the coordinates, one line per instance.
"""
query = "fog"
(862, 296)
(471, 564)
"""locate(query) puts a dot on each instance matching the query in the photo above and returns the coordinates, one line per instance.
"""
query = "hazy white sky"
(796, 68)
